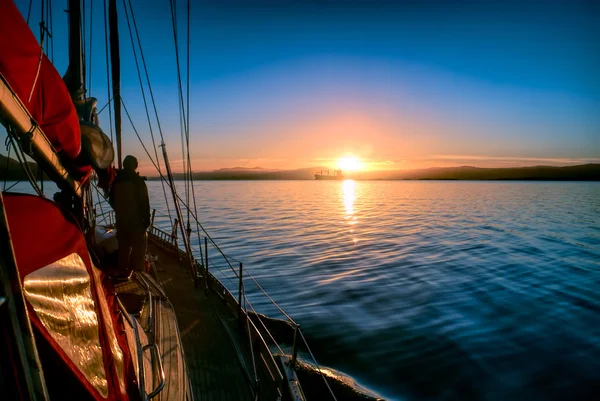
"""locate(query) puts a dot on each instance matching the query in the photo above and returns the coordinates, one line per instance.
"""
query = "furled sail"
(39, 87)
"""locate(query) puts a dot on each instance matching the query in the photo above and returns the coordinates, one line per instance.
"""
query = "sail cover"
(45, 97)
(79, 333)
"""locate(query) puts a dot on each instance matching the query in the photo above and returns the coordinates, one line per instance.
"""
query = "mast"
(74, 75)
(115, 62)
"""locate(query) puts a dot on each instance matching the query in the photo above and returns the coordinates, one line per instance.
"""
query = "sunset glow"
(349, 164)
(371, 88)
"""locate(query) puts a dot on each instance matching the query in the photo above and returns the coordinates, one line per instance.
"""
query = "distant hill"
(244, 169)
(10, 169)
(583, 172)
(255, 173)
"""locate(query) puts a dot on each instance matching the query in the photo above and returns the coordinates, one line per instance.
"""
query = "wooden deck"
(217, 353)
(217, 366)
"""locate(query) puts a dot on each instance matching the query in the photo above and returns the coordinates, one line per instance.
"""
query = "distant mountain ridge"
(244, 169)
(254, 174)
(582, 172)
(10, 169)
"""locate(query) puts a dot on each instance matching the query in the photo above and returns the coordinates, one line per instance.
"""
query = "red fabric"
(42, 234)
(119, 325)
(51, 105)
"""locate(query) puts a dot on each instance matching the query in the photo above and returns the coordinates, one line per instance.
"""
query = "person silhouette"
(129, 199)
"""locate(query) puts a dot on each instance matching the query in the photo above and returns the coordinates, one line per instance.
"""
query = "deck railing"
(229, 277)
(163, 239)
(103, 212)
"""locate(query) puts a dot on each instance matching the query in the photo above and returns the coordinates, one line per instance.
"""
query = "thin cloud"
(550, 160)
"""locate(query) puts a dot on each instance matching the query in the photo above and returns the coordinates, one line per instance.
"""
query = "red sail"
(46, 98)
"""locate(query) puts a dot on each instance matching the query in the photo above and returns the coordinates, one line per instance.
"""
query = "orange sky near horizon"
(379, 143)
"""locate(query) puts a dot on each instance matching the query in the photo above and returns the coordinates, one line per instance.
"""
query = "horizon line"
(267, 169)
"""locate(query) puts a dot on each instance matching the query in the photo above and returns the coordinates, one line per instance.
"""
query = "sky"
(398, 85)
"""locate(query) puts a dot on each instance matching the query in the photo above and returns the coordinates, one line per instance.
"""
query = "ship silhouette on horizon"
(337, 175)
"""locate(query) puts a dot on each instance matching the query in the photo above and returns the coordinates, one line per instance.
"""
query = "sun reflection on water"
(349, 191)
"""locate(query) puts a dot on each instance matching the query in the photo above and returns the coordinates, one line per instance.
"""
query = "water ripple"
(427, 290)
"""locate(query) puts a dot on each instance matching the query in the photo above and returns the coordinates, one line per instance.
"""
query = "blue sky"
(397, 84)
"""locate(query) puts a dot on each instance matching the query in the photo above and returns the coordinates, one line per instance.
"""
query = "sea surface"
(426, 290)
(423, 290)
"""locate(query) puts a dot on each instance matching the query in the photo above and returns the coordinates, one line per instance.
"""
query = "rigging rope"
(104, 107)
(141, 141)
(265, 327)
(45, 18)
(270, 299)
(250, 337)
(187, 83)
(11, 187)
(144, 93)
(21, 158)
(51, 41)
(8, 149)
(98, 194)
(183, 120)
(239, 355)
(189, 161)
(42, 37)
(162, 139)
(317, 365)
(29, 11)
(40, 172)
(42, 19)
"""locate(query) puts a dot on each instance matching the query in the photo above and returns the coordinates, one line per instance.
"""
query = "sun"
(349, 163)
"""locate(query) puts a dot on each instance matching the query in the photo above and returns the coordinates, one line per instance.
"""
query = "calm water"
(426, 290)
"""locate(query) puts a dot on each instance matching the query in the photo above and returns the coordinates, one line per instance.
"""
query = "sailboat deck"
(213, 362)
